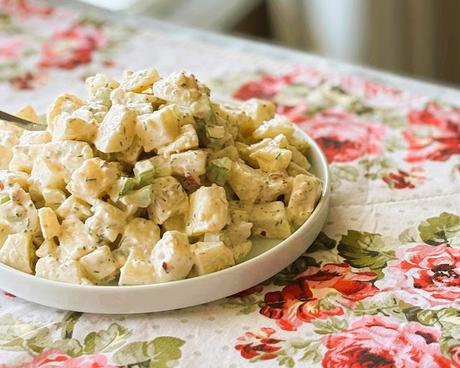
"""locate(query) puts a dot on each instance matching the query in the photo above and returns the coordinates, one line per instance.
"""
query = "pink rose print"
(259, 345)
(425, 276)
(434, 133)
(345, 138)
(300, 301)
(11, 47)
(381, 342)
(405, 179)
(53, 359)
(72, 47)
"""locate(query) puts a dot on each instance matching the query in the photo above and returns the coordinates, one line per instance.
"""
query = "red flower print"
(296, 114)
(28, 80)
(25, 8)
(343, 137)
(378, 342)
(72, 47)
(53, 358)
(455, 354)
(11, 47)
(425, 276)
(434, 133)
(9, 294)
(267, 86)
(247, 292)
(300, 301)
(402, 179)
(259, 345)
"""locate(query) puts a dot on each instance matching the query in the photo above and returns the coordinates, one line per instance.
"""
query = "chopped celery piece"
(219, 170)
(144, 171)
(138, 198)
(215, 131)
(4, 198)
(127, 185)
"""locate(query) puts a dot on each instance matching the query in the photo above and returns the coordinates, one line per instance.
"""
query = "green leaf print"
(164, 350)
(14, 333)
(40, 341)
(68, 324)
(161, 352)
(246, 304)
(135, 352)
(105, 341)
(322, 242)
(345, 172)
(291, 271)
(329, 326)
(444, 228)
(70, 347)
(363, 249)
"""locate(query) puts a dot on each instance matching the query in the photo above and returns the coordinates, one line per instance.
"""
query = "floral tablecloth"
(380, 287)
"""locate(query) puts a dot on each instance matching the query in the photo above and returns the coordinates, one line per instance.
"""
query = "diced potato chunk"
(73, 206)
(272, 157)
(9, 178)
(139, 234)
(271, 128)
(130, 155)
(306, 191)
(211, 257)
(107, 222)
(30, 114)
(258, 111)
(70, 155)
(240, 251)
(100, 264)
(70, 127)
(171, 257)
(140, 80)
(64, 103)
(5, 230)
(49, 223)
(18, 252)
(276, 184)
(208, 211)
(169, 198)
(137, 271)
(186, 140)
(116, 132)
(299, 158)
(19, 212)
(70, 271)
(48, 248)
(270, 220)
(93, 178)
(24, 157)
(31, 137)
(190, 162)
(53, 197)
(159, 128)
(75, 239)
(99, 88)
(47, 174)
(246, 182)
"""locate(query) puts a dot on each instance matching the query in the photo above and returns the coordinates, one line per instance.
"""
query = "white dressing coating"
(147, 180)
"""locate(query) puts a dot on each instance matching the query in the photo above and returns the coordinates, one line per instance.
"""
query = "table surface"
(380, 287)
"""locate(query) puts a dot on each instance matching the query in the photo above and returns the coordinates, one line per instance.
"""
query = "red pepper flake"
(2, 186)
(263, 233)
(164, 265)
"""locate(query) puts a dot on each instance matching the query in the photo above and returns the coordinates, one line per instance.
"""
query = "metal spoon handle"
(21, 123)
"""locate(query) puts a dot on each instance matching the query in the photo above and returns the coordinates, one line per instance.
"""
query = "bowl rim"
(326, 190)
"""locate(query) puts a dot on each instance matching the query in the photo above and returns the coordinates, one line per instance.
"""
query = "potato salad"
(147, 180)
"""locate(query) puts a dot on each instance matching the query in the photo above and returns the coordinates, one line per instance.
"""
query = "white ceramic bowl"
(267, 258)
